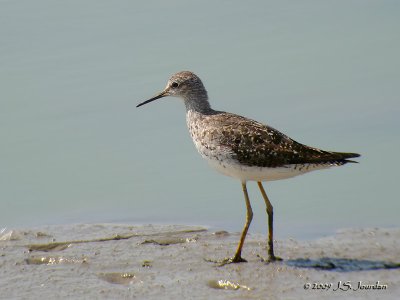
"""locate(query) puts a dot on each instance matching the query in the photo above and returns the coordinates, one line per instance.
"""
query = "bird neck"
(198, 103)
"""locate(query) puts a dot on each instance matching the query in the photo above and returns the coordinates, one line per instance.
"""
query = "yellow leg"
(270, 212)
(249, 216)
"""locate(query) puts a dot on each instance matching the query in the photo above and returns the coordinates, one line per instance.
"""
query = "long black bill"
(162, 94)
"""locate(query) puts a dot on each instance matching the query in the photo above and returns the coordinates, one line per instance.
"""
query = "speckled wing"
(255, 144)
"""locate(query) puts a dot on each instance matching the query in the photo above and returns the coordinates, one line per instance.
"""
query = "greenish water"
(74, 148)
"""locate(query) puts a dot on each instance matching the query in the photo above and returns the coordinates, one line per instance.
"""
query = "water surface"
(74, 149)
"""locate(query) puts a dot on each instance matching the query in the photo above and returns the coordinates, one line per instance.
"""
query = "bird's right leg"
(270, 212)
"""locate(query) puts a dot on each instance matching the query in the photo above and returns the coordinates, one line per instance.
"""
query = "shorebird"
(244, 149)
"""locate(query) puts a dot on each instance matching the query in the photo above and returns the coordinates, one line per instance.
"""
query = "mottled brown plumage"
(243, 148)
(256, 144)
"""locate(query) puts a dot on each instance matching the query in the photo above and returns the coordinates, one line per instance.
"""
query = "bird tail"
(344, 157)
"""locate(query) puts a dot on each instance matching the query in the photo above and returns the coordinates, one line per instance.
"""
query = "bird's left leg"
(237, 258)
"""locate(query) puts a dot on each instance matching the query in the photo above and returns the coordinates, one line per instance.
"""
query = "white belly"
(247, 173)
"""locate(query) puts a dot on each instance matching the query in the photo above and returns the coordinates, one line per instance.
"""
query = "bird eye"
(174, 84)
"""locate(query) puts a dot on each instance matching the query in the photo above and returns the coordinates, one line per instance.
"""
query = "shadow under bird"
(244, 149)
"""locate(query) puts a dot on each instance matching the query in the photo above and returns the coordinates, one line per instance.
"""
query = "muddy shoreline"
(111, 261)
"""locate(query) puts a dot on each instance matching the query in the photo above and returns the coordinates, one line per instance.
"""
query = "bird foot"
(270, 258)
(228, 260)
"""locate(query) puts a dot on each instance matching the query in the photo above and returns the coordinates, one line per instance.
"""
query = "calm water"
(74, 148)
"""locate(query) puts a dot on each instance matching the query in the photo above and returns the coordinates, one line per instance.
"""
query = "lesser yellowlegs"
(243, 148)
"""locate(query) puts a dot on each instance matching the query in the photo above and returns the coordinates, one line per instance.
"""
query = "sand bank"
(108, 261)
